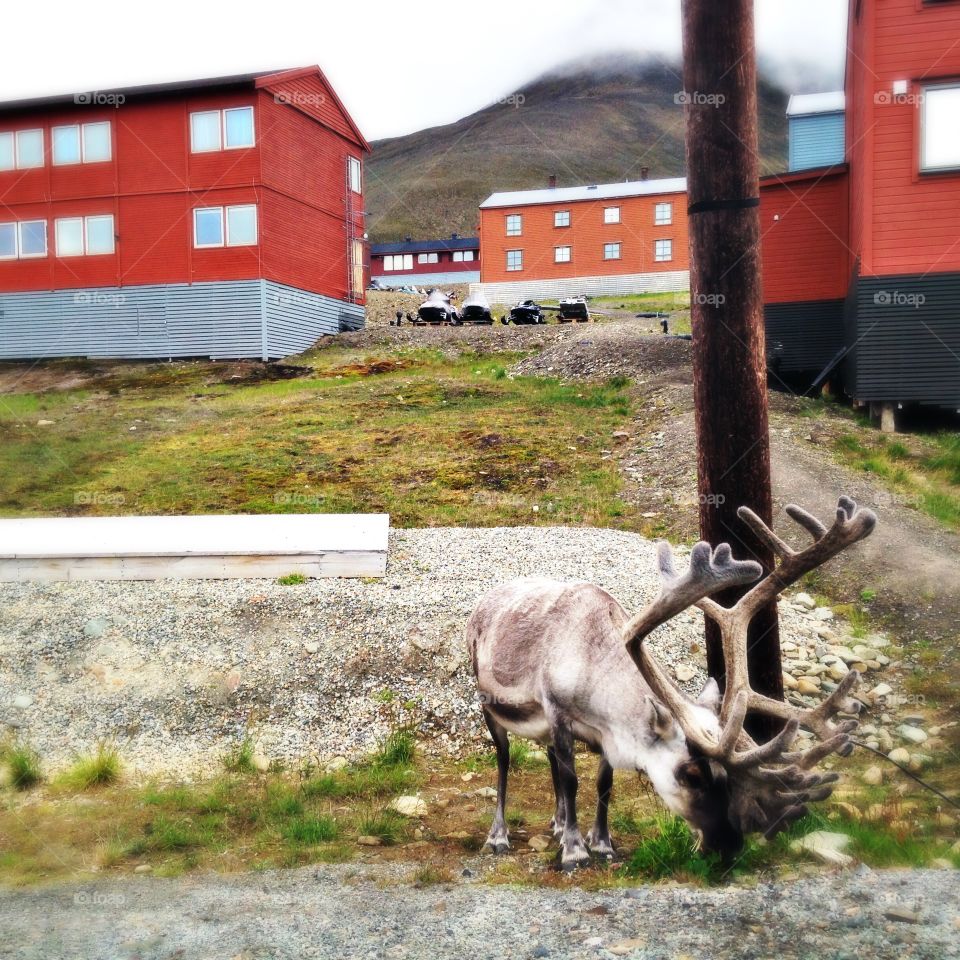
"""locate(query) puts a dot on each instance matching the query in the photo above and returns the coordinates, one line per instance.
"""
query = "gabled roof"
(807, 104)
(601, 191)
(264, 78)
(425, 246)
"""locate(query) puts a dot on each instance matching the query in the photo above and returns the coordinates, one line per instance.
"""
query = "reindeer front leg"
(598, 839)
(573, 851)
(498, 840)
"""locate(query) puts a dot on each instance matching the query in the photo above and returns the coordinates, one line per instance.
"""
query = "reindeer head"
(726, 785)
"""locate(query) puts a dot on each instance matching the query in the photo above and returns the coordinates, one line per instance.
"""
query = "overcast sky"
(400, 65)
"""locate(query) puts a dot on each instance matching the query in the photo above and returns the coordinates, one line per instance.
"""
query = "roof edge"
(797, 176)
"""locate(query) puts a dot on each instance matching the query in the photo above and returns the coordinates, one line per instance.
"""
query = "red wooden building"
(861, 260)
(219, 217)
(425, 262)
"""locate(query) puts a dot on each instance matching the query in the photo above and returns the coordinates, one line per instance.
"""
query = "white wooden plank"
(203, 547)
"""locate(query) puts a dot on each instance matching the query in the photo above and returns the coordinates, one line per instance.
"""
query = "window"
(427, 258)
(399, 261)
(663, 214)
(611, 251)
(29, 149)
(514, 225)
(234, 226)
(205, 131)
(561, 254)
(514, 259)
(69, 237)
(21, 150)
(212, 130)
(23, 240)
(939, 130)
(561, 218)
(611, 214)
(99, 231)
(462, 256)
(66, 144)
(662, 250)
(237, 128)
(81, 143)
(356, 179)
(356, 262)
(242, 225)
(97, 146)
(6, 151)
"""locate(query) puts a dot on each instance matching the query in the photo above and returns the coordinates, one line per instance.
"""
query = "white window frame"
(663, 214)
(606, 250)
(509, 223)
(427, 257)
(83, 140)
(12, 256)
(75, 127)
(46, 241)
(463, 256)
(397, 262)
(13, 150)
(561, 218)
(223, 229)
(934, 88)
(355, 172)
(56, 237)
(43, 149)
(86, 235)
(256, 224)
(518, 261)
(657, 256)
(222, 129)
(611, 215)
(563, 253)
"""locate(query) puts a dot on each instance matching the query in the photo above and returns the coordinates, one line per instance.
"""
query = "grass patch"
(100, 768)
(291, 579)
(398, 750)
(23, 766)
(240, 758)
(384, 823)
(310, 831)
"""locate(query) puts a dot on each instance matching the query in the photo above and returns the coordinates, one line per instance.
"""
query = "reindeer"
(557, 663)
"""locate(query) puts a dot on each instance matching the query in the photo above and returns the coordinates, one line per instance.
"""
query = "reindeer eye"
(690, 775)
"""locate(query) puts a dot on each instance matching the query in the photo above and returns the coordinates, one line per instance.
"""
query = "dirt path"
(349, 912)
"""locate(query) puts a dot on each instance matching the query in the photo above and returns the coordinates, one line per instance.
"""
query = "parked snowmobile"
(526, 312)
(438, 308)
(476, 309)
(574, 308)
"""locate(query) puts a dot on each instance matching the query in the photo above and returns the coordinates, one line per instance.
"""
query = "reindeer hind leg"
(573, 851)
(498, 840)
(559, 818)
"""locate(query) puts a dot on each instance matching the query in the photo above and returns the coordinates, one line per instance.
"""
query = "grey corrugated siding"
(816, 141)
(810, 334)
(296, 319)
(221, 320)
(906, 351)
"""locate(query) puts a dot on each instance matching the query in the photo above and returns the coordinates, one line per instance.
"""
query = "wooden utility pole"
(729, 356)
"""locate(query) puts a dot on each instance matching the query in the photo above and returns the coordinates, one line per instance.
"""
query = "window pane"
(99, 235)
(514, 225)
(6, 151)
(205, 131)
(354, 174)
(29, 148)
(241, 226)
(467, 254)
(611, 215)
(96, 142)
(239, 127)
(69, 237)
(66, 144)
(421, 258)
(208, 227)
(941, 129)
(8, 241)
(33, 238)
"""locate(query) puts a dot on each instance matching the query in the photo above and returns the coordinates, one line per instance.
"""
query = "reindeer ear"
(710, 696)
(660, 719)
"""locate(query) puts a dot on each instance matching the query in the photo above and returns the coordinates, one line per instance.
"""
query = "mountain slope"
(587, 123)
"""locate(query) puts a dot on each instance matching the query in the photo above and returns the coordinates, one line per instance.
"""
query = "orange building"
(626, 237)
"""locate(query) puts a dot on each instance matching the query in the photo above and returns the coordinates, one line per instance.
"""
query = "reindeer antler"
(774, 783)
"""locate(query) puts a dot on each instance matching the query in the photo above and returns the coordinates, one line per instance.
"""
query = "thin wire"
(913, 776)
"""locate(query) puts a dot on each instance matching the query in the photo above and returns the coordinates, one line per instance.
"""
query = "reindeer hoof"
(600, 846)
(574, 855)
(496, 846)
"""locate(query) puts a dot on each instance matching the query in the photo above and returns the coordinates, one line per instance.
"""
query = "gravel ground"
(178, 671)
(349, 912)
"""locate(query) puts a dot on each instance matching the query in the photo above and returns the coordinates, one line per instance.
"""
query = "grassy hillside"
(586, 124)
